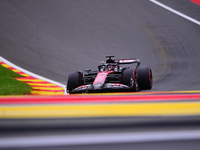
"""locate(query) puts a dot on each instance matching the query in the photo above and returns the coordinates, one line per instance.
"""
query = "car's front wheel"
(74, 81)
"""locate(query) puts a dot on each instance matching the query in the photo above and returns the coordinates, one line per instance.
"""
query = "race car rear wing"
(128, 61)
(121, 61)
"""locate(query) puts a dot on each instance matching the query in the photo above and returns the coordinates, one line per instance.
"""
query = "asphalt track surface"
(54, 38)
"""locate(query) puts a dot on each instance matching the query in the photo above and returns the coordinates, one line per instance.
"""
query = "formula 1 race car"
(110, 76)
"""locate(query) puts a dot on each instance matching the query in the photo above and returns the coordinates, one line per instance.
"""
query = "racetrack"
(54, 38)
(59, 37)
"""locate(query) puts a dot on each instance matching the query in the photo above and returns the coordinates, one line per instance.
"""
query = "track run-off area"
(100, 106)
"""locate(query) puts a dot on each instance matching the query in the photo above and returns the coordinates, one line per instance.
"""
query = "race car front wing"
(101, 87)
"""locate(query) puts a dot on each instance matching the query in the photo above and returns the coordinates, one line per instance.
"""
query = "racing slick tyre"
(74, 80)
(128, 78)
(144, 77)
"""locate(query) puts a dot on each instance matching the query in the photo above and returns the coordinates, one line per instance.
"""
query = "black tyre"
(144, 77)
(74, 81)
(128, 76)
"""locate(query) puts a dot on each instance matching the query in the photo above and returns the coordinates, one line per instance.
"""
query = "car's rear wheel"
(128, 78)
(144, 77)
(74, 80)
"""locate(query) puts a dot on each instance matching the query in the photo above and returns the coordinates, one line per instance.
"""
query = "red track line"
(45, 86)
(21, 73)
(29, 77)
(98, 99)
(50, 90)
(196, 1)
(11, 68)
(37, 82)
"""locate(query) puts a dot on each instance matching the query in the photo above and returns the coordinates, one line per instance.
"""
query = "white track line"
(99, 138)
(176, 12)
(32, 74)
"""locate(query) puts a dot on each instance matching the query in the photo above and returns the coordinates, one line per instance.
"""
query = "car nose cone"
(98, 86)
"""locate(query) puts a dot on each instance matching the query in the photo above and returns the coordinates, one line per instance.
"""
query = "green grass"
(11, 86)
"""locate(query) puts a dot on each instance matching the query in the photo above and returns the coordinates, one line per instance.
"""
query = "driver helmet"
(109, 67)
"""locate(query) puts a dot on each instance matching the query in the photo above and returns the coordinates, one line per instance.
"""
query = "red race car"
(110, 76)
